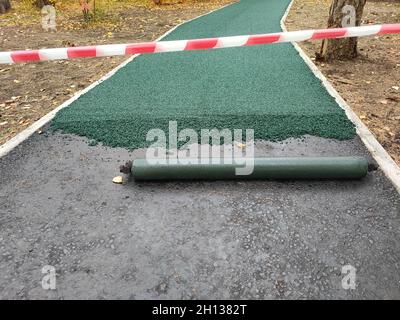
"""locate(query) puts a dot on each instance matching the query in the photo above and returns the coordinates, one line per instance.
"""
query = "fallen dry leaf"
(241, 145)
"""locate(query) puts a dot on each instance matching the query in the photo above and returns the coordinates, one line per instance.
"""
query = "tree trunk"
(345, 48)
(5, 5)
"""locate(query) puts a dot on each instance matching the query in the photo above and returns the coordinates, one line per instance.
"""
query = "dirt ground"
(29, 91)
(370, 83)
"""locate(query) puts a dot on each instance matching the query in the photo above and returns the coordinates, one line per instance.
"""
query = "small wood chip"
(118, 180)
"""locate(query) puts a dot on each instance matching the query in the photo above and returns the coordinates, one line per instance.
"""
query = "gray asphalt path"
(221, 240)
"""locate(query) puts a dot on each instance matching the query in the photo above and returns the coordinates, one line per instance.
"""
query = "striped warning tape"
(195, 44)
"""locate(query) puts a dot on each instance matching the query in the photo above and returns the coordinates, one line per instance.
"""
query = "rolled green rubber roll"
(305, 168)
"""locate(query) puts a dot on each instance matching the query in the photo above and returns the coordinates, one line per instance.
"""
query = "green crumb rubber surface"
(268, 88)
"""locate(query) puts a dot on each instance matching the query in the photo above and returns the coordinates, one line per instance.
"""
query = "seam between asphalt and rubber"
(25, 134)
(387, 164)
(385, 161)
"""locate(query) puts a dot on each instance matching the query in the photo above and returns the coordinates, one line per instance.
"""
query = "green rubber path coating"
(267, 88)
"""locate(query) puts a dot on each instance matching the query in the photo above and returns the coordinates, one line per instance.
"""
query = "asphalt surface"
(267, 88)
(223, 239)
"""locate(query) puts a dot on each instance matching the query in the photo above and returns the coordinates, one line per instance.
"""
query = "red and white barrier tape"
(195, 44)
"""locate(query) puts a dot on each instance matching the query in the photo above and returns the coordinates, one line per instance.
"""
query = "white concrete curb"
(385, 161)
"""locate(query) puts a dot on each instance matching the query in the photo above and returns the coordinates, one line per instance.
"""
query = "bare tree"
(5, 5)
(342, 11)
